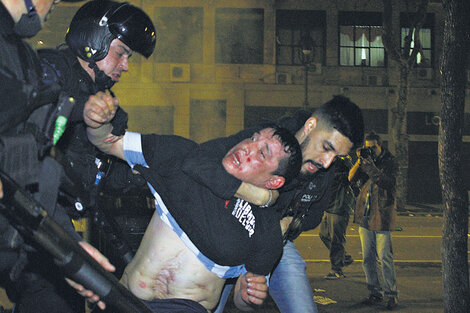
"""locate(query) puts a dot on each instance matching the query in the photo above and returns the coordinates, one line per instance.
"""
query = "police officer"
(100, 40)
(24, 141)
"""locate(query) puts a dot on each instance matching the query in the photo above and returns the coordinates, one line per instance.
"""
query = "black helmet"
(99, 22)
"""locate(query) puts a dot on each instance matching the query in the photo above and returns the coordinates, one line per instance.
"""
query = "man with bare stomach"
(196, 240)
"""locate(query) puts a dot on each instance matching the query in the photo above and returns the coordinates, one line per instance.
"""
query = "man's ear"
(275, 182)
(310, 124)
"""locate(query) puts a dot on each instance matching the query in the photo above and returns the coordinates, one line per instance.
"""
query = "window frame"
(428, 24)
(300, 21)
(368, 20)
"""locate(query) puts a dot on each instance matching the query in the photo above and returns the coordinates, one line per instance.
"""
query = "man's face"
(254, 159)
(320, 146)
(116, 61)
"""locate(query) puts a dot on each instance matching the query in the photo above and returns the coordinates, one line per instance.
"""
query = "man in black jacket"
(96, 56)
(23, 127)
(336, 217)
(332, 130)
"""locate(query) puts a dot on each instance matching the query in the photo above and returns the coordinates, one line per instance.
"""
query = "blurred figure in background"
(375, 173)
(336, 217)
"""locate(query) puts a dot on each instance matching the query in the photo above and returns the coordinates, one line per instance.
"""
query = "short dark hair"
(345, 116)
(372, 136)
(289, 166)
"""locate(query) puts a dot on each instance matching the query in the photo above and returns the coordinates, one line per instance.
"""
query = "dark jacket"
(381, 214)
(22, 93)
(76, 154)
(343, 199)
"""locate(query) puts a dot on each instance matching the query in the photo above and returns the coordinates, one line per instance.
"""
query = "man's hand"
(285, 222)
(100, 109)
(368, 166)
(250, 289)
(257, 195)
(104, 262)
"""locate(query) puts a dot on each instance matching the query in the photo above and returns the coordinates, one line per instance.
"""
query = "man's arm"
(99, 111)
(250, 290)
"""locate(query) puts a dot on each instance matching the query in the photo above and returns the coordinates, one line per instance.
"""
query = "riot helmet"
(97, 23)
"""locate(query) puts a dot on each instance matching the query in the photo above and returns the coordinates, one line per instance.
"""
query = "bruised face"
(254, 159)
(321, 144)
(116, 61)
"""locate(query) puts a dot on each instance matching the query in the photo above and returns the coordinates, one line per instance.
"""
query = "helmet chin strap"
(102, 80)
(30, 23)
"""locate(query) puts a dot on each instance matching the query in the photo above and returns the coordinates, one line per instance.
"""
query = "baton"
(33, 222)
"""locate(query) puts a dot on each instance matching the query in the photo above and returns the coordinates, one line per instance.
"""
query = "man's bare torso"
(165, 268)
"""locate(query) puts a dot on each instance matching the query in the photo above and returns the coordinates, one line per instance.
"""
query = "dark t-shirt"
(231, 231)
(303, 199)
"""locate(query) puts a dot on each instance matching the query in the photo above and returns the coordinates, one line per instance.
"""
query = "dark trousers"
(333, 234)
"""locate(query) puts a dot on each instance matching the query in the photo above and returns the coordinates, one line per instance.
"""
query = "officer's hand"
(1, 189)
(251, 289)
(104, 262)
(100, 109)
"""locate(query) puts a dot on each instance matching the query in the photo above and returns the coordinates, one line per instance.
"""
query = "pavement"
(419, 281)
(419, 285)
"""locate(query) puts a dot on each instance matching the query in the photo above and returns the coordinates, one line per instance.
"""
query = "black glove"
(119, 122)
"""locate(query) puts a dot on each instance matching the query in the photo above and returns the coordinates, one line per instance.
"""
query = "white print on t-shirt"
(243, 213)
(306, 198)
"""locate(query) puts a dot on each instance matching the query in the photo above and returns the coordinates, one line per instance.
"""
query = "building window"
(294, 25)
(360, 39)
(239, 36)
(424, 58)
(179, 34)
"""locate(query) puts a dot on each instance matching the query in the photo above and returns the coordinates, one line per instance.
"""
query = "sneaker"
(348, 260)
(392, 303)
(372, 299)
(334, 275)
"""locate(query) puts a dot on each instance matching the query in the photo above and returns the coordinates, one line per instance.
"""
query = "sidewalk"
(420, 291)
(421, 209)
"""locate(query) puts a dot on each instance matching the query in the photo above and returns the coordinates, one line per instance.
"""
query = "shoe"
(392, 303)
(372, 299)
(334, 275)
(348, 260)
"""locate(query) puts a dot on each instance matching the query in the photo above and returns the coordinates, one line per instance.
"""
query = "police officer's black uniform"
(41, 287)
(25, 125)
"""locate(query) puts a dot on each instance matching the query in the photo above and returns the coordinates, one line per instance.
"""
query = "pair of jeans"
(333, 234)
(378, 244)
(289, 285)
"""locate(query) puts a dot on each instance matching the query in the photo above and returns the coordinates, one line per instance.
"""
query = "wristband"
(269, 200)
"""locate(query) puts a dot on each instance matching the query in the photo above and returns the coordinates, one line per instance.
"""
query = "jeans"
(333, 234)
(289, 285)
(378, 244)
